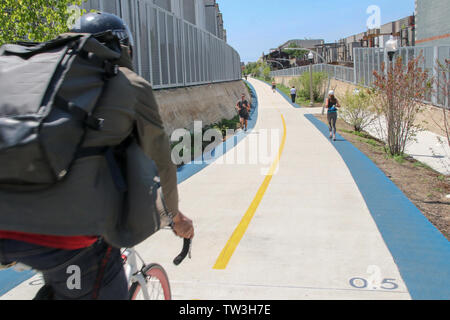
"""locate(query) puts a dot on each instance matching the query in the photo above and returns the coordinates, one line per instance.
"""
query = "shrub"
(443, 71)
(399, 92)
(356, 109)
(303, 83)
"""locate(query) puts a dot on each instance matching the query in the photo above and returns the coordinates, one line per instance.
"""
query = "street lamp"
(391, 47)
(311, 60)
(324, 61)
(282, 66)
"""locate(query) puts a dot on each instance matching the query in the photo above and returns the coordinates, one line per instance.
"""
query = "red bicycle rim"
(155, 272)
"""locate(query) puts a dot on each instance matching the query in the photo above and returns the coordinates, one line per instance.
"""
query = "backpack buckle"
(95, 123)
(111, 69)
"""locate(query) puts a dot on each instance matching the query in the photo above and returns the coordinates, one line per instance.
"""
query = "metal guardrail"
(368, 60)
(171, 52)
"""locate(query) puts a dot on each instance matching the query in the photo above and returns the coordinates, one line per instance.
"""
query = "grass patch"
(366, 138)
(221, 127)
(418, 164)
(301, 101)
(287, 91)
(438, 190)
(399, 159)
(360, 134)
(248, 88)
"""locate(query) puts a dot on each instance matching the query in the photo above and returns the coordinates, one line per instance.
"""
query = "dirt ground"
(426, 188)
(432, 118)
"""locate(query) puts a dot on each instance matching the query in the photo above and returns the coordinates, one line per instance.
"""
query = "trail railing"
(171, 52)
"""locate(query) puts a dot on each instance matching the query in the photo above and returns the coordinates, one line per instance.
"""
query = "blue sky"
(255, 26)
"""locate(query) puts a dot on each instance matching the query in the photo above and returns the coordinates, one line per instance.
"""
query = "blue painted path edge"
(420, 251)
(9, 279)
(187, 171)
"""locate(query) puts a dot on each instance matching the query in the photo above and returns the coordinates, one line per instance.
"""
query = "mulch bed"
(426, 188)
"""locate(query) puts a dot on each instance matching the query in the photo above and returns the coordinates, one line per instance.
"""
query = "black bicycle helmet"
(98, 22)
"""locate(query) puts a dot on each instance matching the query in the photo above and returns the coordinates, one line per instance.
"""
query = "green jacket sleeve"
(155, 142)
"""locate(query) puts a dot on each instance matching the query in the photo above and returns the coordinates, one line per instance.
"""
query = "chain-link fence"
(171, 52)
(368, 60)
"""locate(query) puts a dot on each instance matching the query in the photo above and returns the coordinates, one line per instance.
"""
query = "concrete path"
(292, 226)
(310, 235)
(426, 147)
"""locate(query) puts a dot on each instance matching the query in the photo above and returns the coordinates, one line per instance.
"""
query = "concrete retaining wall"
(180, 107)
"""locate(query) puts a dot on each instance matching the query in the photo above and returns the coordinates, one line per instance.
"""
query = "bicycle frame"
(133, 273)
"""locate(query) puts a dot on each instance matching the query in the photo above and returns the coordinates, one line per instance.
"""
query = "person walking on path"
(293, 94)
(332, 104)
(243, 108)
(274, 86)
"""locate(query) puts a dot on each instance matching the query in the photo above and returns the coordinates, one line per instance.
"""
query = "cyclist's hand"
(183, 226)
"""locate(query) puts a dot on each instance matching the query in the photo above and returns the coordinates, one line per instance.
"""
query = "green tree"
(250, 68)
(295, 53)
(36, 20)
(266, 73)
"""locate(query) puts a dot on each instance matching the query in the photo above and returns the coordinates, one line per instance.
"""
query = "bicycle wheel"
(158, 286)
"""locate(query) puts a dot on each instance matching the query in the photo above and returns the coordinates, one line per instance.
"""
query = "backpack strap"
(24, 48)
(114, 167)
(79, 113)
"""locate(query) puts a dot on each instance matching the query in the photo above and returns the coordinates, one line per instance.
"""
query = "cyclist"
(127, 100)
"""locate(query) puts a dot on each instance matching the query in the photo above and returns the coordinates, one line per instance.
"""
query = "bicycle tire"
(157, 283)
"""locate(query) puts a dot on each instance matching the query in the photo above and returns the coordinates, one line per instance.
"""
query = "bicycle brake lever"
(185, 252)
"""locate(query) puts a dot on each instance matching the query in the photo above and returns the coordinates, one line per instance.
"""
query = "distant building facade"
(204, 14)
(432, 22)
(284, 60)
(341, 52)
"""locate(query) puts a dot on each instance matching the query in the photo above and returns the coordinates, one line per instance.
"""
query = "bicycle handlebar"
(184, 253)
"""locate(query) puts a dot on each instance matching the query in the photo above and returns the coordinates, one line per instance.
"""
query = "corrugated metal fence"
(368, 60)
(171, 52)
(338, 72)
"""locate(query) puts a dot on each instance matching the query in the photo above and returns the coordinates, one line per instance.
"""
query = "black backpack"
(49, 183)
(48, 92)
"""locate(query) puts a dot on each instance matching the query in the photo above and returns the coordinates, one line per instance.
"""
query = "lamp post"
(324, 61)
(391, 48)
(275, 61)
(311, 60)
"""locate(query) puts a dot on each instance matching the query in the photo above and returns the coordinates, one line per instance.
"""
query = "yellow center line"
(238, 234)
